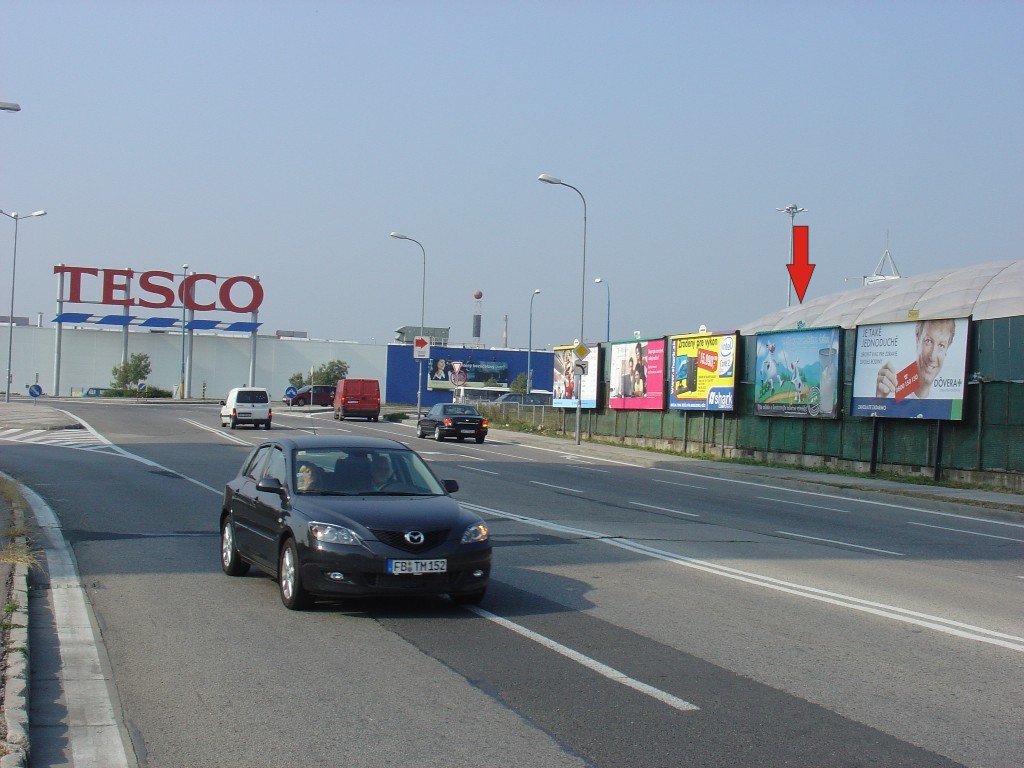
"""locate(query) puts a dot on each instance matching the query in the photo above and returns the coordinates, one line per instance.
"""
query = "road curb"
(16, 674)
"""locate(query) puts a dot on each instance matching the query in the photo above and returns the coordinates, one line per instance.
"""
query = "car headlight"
(333, 534)
(475, 534)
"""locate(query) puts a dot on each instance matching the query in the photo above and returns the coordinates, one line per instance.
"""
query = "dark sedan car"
(318, 394)
(452, 420)
(337, 517)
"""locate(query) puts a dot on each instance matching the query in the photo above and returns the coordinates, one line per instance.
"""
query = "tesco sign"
(158, 290)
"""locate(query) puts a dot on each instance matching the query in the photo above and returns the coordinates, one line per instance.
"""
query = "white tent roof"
(981, 291)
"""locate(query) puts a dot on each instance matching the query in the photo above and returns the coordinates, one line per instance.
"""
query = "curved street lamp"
(10, 318)
(792, 210)
(547, 179)
(529, 347)
(423, 306)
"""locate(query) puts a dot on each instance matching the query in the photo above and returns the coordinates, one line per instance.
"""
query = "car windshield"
(461, 410)
(363, 472)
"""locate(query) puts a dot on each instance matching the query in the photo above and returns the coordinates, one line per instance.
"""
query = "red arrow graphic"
(420, 342)
(800, 270)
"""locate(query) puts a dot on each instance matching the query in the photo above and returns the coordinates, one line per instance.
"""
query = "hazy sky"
(287, 139)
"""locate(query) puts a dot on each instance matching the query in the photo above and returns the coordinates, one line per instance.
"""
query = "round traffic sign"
(35, 390)
(291, 392)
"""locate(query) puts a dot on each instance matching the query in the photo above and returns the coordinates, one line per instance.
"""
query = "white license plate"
(469, 431)
(398, 567)
(245, 414)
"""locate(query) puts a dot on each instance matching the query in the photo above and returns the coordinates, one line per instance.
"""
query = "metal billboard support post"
(58, 333)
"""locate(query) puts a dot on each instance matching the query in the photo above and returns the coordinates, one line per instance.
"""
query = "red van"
(357, 397)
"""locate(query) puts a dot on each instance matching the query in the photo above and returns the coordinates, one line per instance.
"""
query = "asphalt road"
(643, 612)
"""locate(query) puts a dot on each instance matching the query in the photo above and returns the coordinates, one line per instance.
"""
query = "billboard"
(911, 370)
(703, 372)
(797, 373)
(564, 385)
(637, 375)
(448, 374)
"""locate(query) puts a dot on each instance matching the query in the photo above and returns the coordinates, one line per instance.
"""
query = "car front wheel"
(294, 597)
(232, 564)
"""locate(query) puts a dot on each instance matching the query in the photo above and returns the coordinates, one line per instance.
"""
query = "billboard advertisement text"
(911, 370)
(448, 374)
(703, 372)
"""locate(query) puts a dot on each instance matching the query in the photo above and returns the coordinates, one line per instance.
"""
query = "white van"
(246, 405)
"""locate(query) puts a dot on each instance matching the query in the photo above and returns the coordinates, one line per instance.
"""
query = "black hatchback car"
(452, 420)
(337, 517)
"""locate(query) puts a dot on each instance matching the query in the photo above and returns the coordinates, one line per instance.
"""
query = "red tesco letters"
(160, 289)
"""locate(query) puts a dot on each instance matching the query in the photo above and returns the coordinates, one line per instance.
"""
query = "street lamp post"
(529, 347)
(608, 314)
(10, 318)
(423, 307)
(583, 288)
(792, 210)
(184, 276)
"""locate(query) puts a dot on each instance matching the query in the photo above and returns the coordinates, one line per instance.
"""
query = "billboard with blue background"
(403, 369)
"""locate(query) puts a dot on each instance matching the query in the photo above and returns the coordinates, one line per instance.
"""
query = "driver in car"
(381, 473)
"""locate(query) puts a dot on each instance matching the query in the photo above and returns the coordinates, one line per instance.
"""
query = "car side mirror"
(271, 485)
(451, 486)
(223, 402)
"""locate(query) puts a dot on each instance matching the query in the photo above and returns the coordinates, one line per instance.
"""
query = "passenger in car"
(308, 477)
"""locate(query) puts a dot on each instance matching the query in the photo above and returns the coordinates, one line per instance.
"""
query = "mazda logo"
(415, 538)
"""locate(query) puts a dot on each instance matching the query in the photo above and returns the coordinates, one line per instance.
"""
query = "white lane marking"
(682, 485)
(93, 729)
(602, 669)
(842, 543)
(559, 487)
(590, 469)
(905, 615)
(800, 504)
(841, 498)
(476, 469)
(971, 533)
(663, 509)
(577, 459)
(219, 432)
